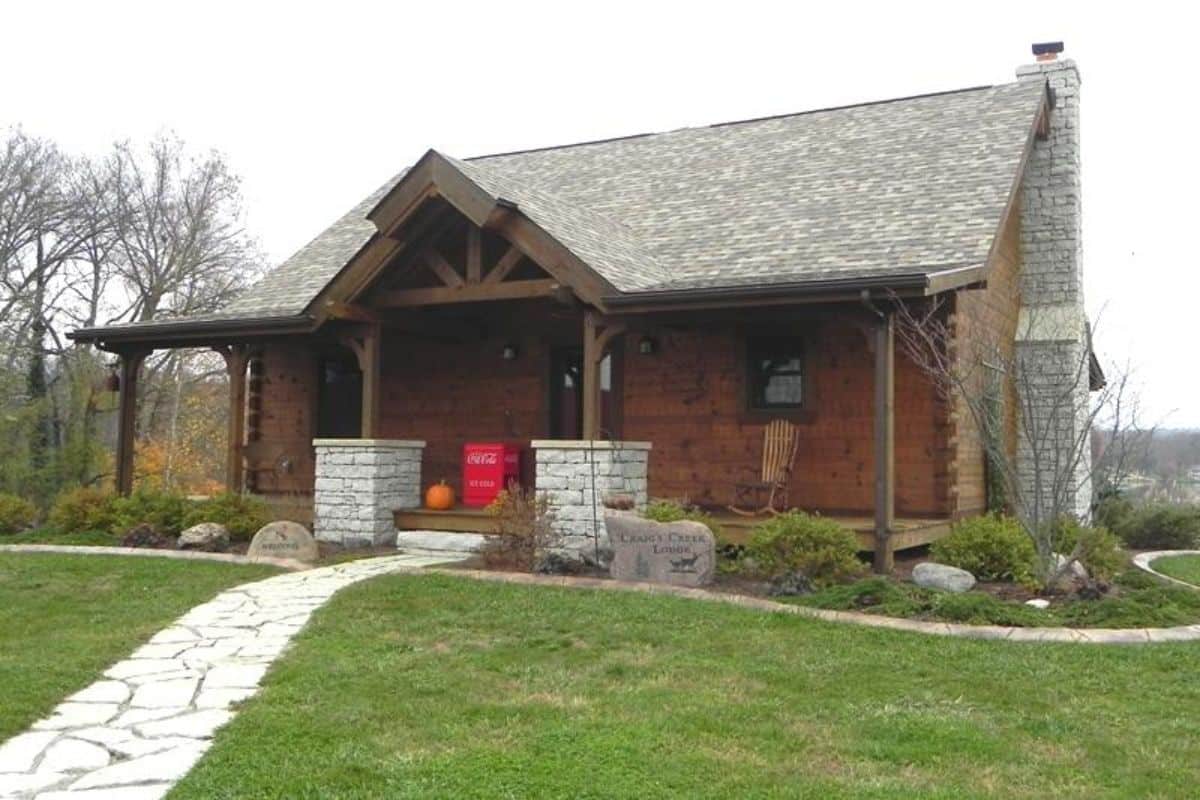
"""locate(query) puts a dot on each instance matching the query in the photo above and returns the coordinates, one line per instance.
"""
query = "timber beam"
(130, 367)
(366, 343)
(598, 335)
(237, 357)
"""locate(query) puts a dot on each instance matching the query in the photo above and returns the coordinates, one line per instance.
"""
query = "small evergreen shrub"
(673, 511)
(241, 514)
(1099, 549)
(820, 549)
(1162, 527)
(16, 514)
(991, 547)
(84, 508)
(1115, 512)
(163, 511)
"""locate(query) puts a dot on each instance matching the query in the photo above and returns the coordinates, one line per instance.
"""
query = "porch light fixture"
(647, 346)
(509, 353)
(112, 382)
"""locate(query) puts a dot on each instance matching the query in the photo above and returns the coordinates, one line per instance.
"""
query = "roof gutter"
(910, 282)
(180, 331)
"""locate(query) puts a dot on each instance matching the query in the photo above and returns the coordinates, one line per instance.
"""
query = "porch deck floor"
(909, 532)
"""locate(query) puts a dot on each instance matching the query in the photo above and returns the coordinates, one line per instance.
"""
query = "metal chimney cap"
(1047, 48)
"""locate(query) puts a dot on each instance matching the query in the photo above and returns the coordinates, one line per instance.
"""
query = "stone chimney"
(1050, 209)
(1053, 342)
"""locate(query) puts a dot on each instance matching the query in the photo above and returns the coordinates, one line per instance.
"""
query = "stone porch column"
(359, 482)
(577, 475)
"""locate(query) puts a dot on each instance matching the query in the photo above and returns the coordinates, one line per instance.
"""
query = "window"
(776, 378)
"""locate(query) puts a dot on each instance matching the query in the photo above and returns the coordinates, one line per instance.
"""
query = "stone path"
(135, 732)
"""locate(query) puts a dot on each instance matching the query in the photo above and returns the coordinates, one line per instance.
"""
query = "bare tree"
(180, 243)
(1032, 417)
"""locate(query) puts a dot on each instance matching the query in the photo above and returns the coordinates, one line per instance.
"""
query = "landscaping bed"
(1133, 600)
(434, 686)
(68, 617)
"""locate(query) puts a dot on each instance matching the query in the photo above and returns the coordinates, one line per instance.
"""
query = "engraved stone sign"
(283, 539)
(681, 553)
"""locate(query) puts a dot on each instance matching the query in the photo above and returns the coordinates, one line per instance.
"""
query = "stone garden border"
(186, 555)
(1181, 633)
(1144, 561)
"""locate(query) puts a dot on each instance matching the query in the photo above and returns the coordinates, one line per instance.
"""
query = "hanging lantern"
(112, 383)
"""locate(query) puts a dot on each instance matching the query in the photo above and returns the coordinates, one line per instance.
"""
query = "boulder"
(283, 539)
(209, 536)
(1038, 602)
(942, 576)
(681, 553)
(1077, 569)
(1075, 576)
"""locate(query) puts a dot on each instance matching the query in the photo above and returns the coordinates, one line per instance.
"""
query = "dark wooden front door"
(339, 398)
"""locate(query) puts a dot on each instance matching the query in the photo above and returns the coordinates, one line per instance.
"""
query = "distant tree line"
(137, 234)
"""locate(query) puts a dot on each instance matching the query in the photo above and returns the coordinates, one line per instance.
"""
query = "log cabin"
(648, 304)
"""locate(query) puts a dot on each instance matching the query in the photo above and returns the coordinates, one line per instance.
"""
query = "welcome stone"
(283, 539)
(681, 553)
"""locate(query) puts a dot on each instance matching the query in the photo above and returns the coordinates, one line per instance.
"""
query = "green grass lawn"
(65, 618)
(436, 686)
(1184, 568)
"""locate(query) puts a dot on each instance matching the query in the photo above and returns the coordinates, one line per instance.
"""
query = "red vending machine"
(488, 467)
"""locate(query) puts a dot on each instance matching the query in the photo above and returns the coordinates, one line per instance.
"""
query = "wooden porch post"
(236, 358)
(885, 444)
(367, 347)
(591, 376)
(597, 335)
(131, 364)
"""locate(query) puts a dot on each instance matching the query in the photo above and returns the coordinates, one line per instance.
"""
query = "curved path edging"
(132, 734)
(1181, 633)
(188, 555)
(1145, 561)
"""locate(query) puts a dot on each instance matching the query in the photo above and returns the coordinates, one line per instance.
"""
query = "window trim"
(802, 412)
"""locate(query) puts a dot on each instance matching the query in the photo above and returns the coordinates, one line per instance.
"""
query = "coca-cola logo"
(484, 458)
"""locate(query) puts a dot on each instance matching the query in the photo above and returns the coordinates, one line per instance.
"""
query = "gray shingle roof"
(890, 188)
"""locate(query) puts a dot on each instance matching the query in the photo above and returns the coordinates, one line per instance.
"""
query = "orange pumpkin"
(439, 497)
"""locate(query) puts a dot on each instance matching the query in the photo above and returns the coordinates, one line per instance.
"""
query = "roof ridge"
(747, 121)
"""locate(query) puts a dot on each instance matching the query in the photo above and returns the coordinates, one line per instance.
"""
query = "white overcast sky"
(315, 105)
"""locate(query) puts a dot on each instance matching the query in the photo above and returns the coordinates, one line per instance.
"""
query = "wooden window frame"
(804, 412)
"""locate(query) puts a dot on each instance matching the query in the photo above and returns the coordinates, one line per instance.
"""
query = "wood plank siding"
(688, 398)
(981, 317)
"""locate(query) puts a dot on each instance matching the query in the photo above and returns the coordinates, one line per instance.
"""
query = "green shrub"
(978, 608)
(164, 511)
(991, 547)
(84, 508)
(241, 514)
(820, 549)
(1099, 549)
(1162, 527)
(16, 514)
(672, 511)
(1114, 512)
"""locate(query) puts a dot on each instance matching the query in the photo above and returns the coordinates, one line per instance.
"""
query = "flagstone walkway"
(135, 732)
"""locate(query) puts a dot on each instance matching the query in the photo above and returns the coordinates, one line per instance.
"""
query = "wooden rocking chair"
(781, 441)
